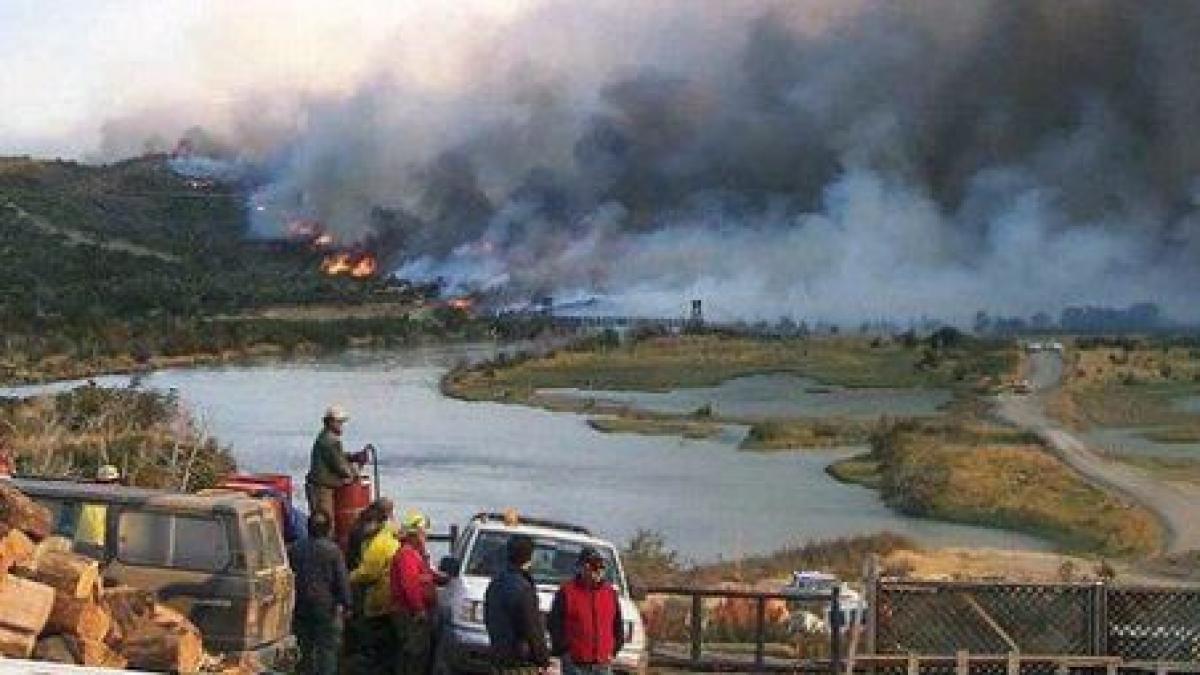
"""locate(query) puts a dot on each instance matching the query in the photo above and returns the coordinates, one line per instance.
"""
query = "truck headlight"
(470, 611)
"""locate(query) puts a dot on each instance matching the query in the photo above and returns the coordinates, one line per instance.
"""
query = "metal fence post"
(835, 630)
(697, 629)
(1100, 619)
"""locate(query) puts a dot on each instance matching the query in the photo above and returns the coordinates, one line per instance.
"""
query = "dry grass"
(995, 477)
(805, 433)
(655, 427)
(661, 364)
(148, 435)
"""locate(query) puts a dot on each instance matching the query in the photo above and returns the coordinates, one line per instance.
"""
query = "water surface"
(778, 395)
(453, 458)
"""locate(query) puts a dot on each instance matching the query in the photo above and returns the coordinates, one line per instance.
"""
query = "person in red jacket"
(414, 597)
(586, 628)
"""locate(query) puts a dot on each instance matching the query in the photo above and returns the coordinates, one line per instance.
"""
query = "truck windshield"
(553, 559)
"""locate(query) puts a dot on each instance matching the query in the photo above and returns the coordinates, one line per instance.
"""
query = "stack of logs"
(54, 606)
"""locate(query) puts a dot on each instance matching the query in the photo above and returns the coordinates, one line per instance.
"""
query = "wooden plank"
(962, 664)
(914, 665)
(1014, 664)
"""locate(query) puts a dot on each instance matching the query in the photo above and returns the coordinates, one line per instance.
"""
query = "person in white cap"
(330, 466)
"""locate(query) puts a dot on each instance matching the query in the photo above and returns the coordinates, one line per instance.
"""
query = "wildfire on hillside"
(463, 304)
(358, 264)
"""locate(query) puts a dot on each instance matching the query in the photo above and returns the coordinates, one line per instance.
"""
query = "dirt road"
(79, 238)
(1177, 504)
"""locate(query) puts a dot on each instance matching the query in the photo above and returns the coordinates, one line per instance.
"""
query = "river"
(452, 458)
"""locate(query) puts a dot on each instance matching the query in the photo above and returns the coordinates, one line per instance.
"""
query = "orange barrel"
(348, 501)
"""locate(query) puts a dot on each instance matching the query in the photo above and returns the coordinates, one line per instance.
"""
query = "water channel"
(453, 458)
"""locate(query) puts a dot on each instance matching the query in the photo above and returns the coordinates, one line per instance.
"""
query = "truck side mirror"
(449, 566)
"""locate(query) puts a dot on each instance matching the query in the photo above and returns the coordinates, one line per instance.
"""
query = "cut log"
(81, 618)
(70, 649)
(128, 607)
(97, 654)
(76, 575)
(57, 649)
(174, 648)
(16, 548)
(16, 644)
(22, 513)
(25, 605)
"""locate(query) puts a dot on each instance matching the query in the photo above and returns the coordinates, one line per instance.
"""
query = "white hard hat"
(337, 412)
(108, 472)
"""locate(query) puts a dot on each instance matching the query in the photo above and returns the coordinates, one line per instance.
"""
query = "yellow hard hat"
(414, 521)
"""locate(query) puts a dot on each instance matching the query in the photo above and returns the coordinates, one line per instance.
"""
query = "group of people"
(382, 596)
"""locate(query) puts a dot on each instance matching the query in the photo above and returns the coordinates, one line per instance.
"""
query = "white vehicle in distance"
(479, 553)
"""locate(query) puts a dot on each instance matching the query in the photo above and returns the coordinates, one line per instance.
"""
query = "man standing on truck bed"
(510, 609)
(322, 597)
(330, 466)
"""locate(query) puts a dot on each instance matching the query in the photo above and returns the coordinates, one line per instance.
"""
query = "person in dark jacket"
(329, 466)
(322, 596)
(510, 610)
(586, 628)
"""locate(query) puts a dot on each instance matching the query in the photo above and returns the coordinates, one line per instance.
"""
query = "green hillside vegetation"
(108, 268)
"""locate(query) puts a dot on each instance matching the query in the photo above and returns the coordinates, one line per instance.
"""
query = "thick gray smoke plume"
(822, 159)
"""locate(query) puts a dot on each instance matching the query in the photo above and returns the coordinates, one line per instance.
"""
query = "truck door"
(190, 561)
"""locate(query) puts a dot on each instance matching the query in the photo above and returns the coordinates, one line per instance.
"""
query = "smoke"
(841, 160)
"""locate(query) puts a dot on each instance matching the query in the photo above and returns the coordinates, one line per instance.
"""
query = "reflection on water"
(778, 395)
(453, 458)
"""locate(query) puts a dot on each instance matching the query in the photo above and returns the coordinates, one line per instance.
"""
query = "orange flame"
(356, 265)
(462, 304)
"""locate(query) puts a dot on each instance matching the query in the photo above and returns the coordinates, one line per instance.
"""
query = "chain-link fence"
(1137, 624)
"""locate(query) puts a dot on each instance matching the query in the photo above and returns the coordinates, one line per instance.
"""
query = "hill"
(131, 260)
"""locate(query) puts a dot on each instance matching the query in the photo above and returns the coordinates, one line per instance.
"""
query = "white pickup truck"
(478, 554)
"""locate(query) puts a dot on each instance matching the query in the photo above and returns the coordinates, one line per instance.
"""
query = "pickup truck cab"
(479, 553)
(218, 559)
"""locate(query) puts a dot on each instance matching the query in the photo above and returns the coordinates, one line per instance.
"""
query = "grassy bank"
(180, 344)
(693, 429)
(665, 363)
(805, 433)
(974, 473)
(148, 435)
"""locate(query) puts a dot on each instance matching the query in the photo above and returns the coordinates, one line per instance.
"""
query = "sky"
(71, 65)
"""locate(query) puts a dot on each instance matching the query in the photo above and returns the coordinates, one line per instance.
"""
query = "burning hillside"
(843, 160)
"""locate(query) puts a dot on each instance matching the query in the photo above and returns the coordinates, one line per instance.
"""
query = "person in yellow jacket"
(376, 644)
(91, 528)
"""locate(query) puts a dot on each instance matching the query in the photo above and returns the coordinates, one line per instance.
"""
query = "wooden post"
(760, 632)
(914, 665)
(962, 664)
(1111, 669)
(1014, 664)
(872, 584)
(697, 628)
